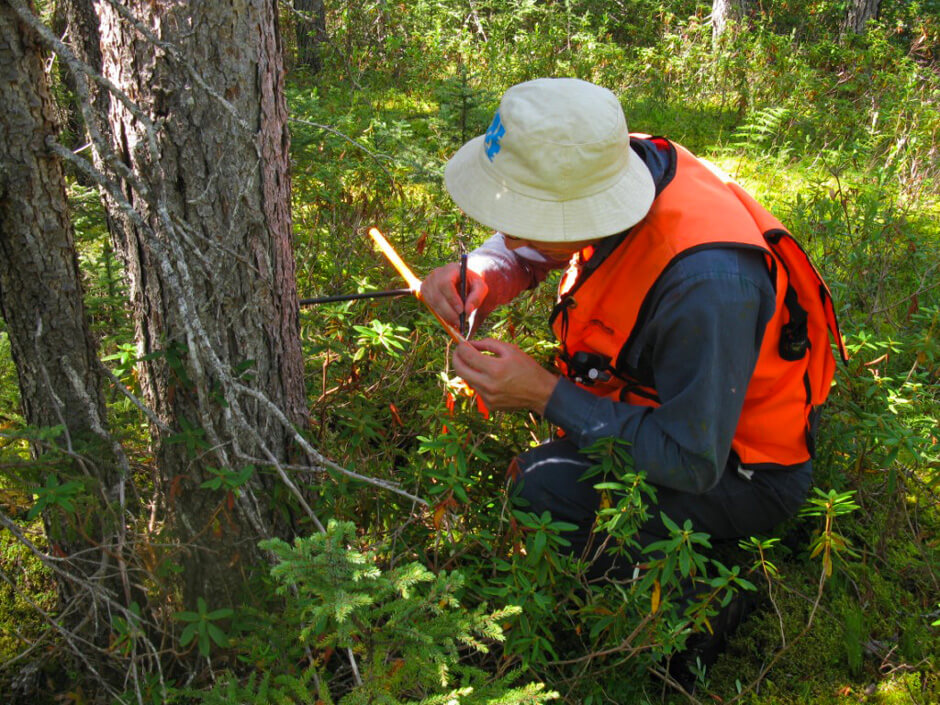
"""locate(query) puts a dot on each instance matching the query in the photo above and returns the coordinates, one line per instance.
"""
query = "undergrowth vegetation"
(468, 599)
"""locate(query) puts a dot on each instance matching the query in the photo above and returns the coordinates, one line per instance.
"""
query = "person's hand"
(439, 290)
(507, 378)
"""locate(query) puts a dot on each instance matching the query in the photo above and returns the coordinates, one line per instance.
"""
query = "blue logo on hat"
(493, 136)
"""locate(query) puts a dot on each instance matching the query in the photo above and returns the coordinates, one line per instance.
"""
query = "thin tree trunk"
(81, 34)
(60, 378)
(205, 236)
(311, 32)
(725, 11)
(860, 12)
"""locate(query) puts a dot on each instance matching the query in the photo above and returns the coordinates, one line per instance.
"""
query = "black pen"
(463, 294)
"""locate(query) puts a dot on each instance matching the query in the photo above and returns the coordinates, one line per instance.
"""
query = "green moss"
(9, 389)
(919, 686)
(25, 582)
(870, 637)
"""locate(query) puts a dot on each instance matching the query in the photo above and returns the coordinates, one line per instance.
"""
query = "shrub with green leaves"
(395, 635)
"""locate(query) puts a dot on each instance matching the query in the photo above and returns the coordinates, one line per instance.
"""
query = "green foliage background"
(837, 135)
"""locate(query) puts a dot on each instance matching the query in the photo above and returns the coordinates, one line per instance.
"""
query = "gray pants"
(548, 478)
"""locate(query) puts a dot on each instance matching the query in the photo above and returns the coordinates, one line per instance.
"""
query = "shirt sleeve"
(508, 272)
(701, 342)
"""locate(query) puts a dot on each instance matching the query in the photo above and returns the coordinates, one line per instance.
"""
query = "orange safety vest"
(598, 308)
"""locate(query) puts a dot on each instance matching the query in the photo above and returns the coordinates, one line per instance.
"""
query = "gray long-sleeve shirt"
(699, 340)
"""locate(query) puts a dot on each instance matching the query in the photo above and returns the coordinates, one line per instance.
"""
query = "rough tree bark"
(60, 378)
(724, 11)
(311, 32)
(81, 32)
(859, 14)
(204, 230)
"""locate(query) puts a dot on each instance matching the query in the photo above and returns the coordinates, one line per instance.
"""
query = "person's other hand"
(507, 378)
(439, 290)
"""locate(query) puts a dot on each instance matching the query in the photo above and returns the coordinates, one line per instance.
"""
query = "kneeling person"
(689, 323)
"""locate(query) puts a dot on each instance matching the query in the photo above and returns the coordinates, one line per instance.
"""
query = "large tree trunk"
(60, 378)
(205, 236)
(859, 13)
(311, 32)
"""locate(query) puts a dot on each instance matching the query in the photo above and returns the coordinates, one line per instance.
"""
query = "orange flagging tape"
(413, 282)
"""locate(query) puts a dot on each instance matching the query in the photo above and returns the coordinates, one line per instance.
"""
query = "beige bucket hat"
(554, 166)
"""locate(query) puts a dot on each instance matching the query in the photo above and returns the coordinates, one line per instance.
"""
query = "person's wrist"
(542, 391)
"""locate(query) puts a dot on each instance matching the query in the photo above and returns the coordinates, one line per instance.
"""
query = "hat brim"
(482, 195)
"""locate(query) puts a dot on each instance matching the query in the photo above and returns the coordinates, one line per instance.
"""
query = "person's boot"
(703, 648)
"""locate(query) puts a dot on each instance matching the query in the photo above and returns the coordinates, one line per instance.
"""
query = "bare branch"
(144, 409)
